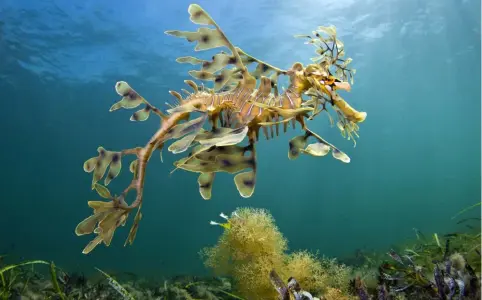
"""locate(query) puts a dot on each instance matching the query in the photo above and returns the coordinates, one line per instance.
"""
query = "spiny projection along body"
(241, 105)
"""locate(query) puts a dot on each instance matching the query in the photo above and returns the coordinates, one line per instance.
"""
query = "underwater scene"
(306, 149)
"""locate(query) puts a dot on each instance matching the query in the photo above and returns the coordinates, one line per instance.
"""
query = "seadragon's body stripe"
(243, 102)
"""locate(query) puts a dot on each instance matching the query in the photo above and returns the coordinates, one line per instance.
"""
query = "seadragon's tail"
(114, 212)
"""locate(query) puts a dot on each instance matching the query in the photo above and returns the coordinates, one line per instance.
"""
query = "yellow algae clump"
(251, 246)
(338, 275)
(336, 294)
(307, 270)
(248, 250)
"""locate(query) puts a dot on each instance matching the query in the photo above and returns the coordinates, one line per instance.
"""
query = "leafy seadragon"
(240, 103)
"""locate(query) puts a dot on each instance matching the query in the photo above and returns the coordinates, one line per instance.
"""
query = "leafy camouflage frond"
(330, 52)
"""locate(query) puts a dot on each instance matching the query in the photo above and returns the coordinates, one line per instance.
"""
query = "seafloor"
(257, 266)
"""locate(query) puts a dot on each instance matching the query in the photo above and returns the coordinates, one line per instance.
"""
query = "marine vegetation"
(14, 280)
(22, 281)
(431, 267)
(251, 248)
(241, 102)
(251, 261)
(446, 267)
(253, 252)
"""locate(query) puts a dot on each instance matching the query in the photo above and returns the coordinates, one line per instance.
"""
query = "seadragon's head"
(325, 77)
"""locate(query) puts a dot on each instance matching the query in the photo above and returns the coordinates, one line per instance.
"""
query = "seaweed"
(251, 247)
(55, 283)
(466, 209)
(9, 280)
(117, 286)
(445, 266)
(19, 281)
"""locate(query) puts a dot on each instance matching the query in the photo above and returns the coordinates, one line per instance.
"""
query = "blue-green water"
(416, 164)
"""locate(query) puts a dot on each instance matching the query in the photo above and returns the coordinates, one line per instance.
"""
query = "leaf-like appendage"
(206, 38)
(130, 98)
(233, 163)
(103, 161)
(183, 144)
(223, 137)
(205, 181)
(141, 115)
(135, 225)
(115, 167)
(87, 226)
(209, 69)
(296, 144)
(219, 62)
(100, 163)
(340, 155)
(229, 163)
(216, 151)
(188, 127)
(183, 108)
(199, 16)
(193, 164)
(330, 30)
(245, 183)
(101, 206)
(222, 78)
(190, 60)
(102, 191)
(317, 149)
(90, 164)
(331, 52)
(202, 75)
(320, 149)
(262, 68)
(133, 166)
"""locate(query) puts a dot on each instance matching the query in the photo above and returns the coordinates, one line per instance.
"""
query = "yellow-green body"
(240, 104)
